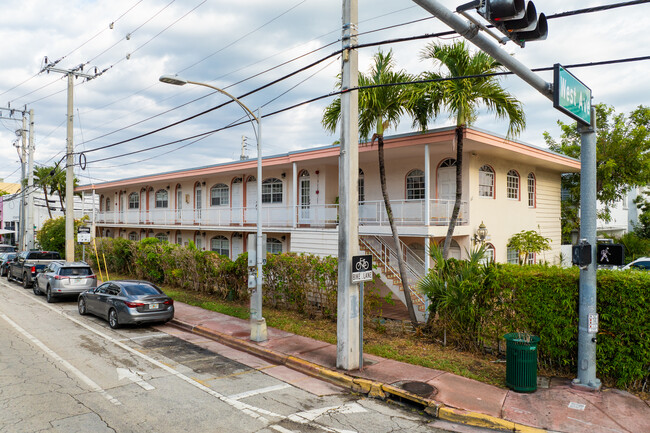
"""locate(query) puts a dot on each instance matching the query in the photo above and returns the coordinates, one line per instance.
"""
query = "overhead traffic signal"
(517, 19)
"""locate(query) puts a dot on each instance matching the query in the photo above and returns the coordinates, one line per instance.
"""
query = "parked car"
(27, 264)
(64, 278)
(642, 263)
(5, 248)
(4, 262)
(127, 302)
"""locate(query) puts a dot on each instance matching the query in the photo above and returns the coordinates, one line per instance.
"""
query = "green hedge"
(544, 300)
(303, 283)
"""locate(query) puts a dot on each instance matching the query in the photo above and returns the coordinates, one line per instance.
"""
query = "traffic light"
(517, 19)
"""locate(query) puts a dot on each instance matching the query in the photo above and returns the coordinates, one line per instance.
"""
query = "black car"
(4, 262)
(127, 302)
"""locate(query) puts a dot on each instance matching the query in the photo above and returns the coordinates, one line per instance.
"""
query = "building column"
(294, 195)
(427, 186)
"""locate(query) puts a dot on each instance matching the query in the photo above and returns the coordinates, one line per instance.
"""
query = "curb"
(364, 386)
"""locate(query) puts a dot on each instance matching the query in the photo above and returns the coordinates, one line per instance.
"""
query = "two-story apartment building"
(508, 186)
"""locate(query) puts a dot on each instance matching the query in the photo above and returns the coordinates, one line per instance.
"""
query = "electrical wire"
(335, 93)
(129, 34)
(243, 37)
(80, 46)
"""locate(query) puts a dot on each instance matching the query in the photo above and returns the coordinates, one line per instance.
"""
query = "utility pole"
(347, 327)
(21, 154)
(23, 161)
(30, 184)
(588, 319)
(69, 163)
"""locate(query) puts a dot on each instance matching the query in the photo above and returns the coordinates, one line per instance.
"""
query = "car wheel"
(25, 282)
(82, 306)
(112, 319)
(36, 288)
(48, 292)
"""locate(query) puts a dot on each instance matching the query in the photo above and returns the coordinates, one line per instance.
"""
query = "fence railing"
(405, 212)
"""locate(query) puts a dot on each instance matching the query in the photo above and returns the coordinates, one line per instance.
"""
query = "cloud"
(224, 42)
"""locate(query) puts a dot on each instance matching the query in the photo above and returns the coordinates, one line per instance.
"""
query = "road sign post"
(361, 271)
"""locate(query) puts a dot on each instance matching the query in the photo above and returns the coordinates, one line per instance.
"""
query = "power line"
(335, 93)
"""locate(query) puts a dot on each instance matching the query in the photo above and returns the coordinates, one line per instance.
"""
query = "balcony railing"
(371, 213)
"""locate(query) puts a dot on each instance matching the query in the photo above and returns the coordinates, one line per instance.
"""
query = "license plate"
(153, 306)
(78, 281)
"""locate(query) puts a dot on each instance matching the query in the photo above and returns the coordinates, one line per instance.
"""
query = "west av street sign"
(571, 96)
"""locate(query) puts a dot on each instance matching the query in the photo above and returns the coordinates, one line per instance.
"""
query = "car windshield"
(45, 255)
(140, 289)
(71, 272)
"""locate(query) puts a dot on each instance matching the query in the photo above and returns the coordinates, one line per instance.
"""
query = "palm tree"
(380, 108)
(463, 97)
(43, 179)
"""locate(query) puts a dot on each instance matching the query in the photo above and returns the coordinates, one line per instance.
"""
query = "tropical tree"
(462, 98)
(622, 160)
(528, 242)
(43, 180)
(380, 108)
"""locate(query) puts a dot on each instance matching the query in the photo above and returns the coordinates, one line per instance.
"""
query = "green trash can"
(521, 361)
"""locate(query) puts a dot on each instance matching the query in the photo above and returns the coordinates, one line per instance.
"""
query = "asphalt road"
(62, 372)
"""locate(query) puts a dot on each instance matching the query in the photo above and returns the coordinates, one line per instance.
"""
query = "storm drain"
(422, 389)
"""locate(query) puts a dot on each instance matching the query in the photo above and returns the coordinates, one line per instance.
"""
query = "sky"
(244, 45)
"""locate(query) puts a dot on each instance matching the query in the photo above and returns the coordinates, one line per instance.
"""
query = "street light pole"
(258, 323)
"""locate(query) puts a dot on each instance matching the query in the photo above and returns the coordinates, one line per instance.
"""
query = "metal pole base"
(593, 386)
(258, 330)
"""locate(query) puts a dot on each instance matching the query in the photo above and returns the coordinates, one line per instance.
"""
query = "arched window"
(488, 257)
(162, 198)
(108, 204)
(272, 190)
(219, 195)
(449, 162)
(532, 189)
(513, 185)
(486, 181)
(454, 248)
(133, 236)
(273, 246)
(162, 237)
(221, 245)
(415, 185)
(362, 187)
(101, 203)
(134, 200)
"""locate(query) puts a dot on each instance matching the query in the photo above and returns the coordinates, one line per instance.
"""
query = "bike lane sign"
(361, 268)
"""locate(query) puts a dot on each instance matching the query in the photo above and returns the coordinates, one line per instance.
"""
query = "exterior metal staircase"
(385, 258)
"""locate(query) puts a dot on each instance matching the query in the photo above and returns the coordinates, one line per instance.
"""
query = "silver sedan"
(127, 302)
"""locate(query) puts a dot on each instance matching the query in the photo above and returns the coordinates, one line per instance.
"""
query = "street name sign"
(571, 96)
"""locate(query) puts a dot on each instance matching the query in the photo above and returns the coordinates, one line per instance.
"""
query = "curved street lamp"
(258, 323)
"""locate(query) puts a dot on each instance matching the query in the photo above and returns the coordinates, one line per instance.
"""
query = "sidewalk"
(554, 407)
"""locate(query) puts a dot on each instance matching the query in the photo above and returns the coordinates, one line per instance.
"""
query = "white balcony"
(371, 213)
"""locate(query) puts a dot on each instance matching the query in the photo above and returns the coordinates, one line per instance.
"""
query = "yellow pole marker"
(106, 267)
(99, 265)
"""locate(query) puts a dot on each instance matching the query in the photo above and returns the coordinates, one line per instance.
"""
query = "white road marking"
(252, 411)
(85, 379)
(133, 376)
(259, 391)
(143, 337)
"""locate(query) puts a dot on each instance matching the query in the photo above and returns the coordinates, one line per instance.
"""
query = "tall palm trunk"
(47, 202)
(460, 129)
(398, 247)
